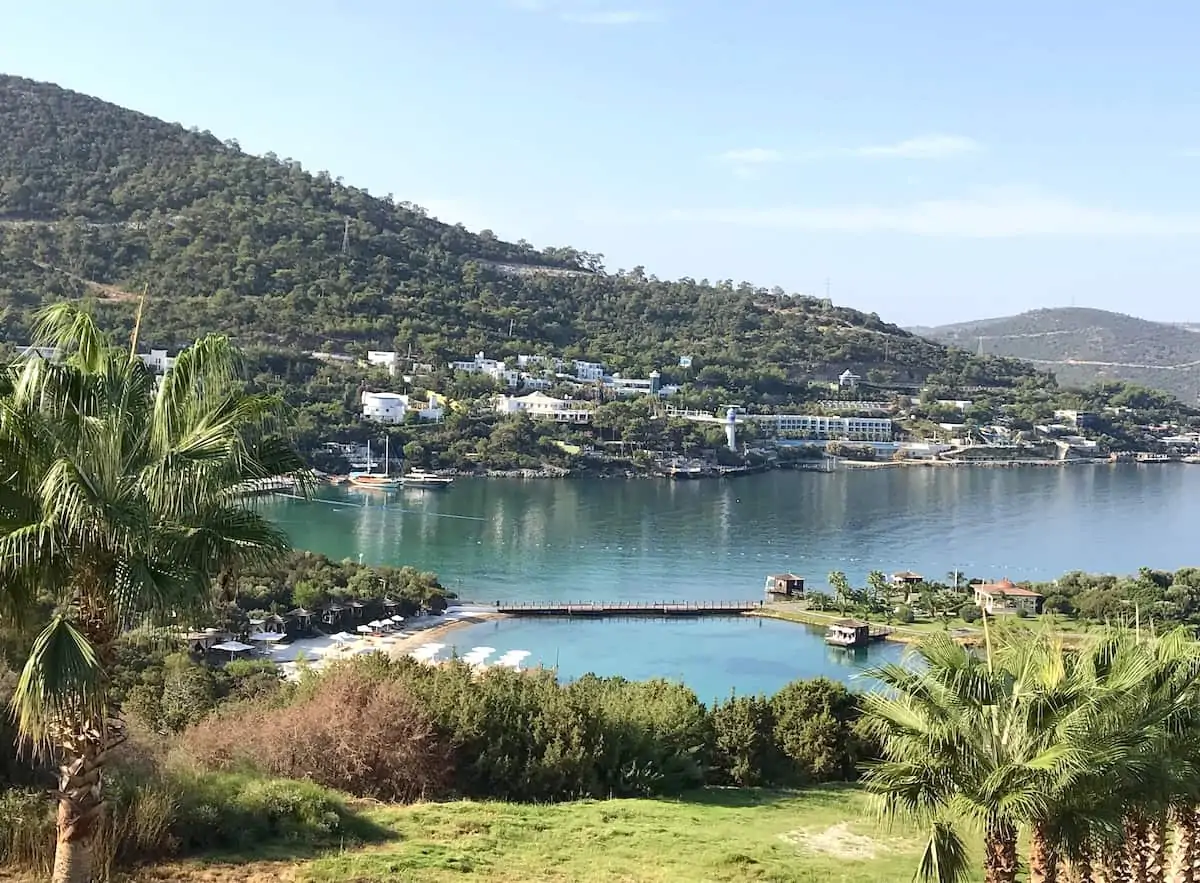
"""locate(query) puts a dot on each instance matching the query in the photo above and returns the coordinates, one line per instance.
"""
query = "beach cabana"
(332, 613)
(233, 648)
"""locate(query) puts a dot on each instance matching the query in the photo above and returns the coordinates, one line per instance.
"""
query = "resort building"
(391, 407)
(388, 360)
(497, 370)
(685, 361)
(848, 379)
(906, 578)
(1007, 597)
(877, 429)
(589, 371)
(157, 361)
(631, 386)
(540, 406)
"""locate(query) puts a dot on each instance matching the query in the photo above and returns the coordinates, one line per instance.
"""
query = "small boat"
(419, 478)
(371, 480)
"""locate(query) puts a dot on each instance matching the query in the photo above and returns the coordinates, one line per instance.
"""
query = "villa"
(1007, 597)
(391, 407)
(540, 406)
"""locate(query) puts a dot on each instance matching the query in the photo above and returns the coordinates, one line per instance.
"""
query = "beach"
(313, 653)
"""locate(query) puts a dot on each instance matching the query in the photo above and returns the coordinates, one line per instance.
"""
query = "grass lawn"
(824, 834)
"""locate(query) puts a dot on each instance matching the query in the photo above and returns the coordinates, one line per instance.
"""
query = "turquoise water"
(711, 655)
(717, 540)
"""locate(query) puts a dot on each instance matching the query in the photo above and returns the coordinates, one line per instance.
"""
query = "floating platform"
(628, 608)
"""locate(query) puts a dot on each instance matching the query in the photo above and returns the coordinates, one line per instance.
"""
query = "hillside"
(1084, 345)
(99, 201)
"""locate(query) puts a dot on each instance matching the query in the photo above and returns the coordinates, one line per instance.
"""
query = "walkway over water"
(627, 608)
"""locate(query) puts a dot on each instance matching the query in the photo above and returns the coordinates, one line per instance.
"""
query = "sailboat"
(370, 479)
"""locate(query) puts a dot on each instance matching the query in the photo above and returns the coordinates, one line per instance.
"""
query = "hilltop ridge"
(97, 200)
(1082, 345)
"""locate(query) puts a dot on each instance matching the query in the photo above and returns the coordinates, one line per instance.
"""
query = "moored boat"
(419, 478)
(372, 480)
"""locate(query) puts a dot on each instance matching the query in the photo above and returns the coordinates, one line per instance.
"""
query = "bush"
(815, 729)
(743, 734)
(353, 733)
(904, 614)
(970, 612)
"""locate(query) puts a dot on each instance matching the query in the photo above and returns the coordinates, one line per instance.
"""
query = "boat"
(372, 480)
(419, 478)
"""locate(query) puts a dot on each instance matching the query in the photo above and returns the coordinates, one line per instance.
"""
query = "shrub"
(743, 733)
(357, 734)
(970, 612)
(815, 728)
(904, 614)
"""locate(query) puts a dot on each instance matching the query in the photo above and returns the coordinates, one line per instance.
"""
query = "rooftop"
(1007, 587)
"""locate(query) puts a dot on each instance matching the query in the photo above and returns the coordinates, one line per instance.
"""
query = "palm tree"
(119, 503)
(1006, 741)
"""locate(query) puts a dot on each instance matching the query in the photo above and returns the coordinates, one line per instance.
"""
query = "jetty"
(627, 608)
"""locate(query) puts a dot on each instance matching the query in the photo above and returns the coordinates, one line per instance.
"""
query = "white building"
(391, 407)
(634, 386)
(848, 379)
(497, 370)
(386, 359)
(540, 406)
(876, 429)
(589, 371)
(157, 361)
(685, 361)
(548, 363)
(49, 353)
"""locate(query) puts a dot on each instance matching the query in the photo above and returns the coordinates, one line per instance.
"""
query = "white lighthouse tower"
(731, 428)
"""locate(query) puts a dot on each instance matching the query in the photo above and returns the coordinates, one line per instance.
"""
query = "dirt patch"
(259, 872)
(837, 841)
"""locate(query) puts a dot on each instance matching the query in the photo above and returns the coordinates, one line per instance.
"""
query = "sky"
(932, 161)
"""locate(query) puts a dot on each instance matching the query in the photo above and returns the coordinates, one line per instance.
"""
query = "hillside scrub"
(525, 737)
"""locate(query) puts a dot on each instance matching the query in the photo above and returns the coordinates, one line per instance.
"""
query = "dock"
(627, 608)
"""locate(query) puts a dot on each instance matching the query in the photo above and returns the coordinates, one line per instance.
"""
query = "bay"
(648, 540)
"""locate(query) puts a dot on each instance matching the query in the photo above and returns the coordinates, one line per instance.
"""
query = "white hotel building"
(874, 429)
(540, 406)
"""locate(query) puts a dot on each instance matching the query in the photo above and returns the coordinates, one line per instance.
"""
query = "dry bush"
(363, 736)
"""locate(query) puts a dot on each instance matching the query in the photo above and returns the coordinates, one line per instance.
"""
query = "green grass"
(823, 834)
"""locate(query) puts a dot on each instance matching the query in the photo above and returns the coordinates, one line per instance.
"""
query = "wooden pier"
(627, 608)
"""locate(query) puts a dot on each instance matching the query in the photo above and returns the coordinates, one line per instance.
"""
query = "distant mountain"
(97, 200)
(1082, 345)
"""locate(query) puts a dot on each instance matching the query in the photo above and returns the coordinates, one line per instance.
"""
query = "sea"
(656, 540)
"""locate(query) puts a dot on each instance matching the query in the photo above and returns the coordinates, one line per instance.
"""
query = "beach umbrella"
(375, 624)
(365, 629)
(397, 618)
(268, 637)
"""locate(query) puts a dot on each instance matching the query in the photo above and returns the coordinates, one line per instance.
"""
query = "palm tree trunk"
(1137, 848)
(1000, 853)
(1043, 857)
(1081, 867)
(79, 808)
(1156, 848)
(1187, 852)
(1114, 863)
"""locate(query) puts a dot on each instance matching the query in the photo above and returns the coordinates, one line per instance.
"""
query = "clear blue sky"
(937, 160)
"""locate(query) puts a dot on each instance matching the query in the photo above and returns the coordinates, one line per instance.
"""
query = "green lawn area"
(824, 834)
(795, 612)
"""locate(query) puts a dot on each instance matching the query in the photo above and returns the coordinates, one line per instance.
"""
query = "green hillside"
(96, 200)
(1119, 347)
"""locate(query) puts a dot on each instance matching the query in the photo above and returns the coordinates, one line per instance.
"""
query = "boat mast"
(370, 462)
(387, 453)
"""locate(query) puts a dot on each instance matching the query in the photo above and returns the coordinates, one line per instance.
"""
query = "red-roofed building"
(1007, 597)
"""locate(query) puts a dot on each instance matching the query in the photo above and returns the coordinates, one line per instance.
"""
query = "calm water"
(712, 656)
(656, 540)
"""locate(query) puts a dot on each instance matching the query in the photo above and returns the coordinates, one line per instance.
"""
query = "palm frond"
(62, 682)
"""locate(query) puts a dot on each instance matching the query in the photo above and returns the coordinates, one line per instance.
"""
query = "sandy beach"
(314, 652)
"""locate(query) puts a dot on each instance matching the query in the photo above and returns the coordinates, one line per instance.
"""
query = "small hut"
(785, 585)
(848, 633)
